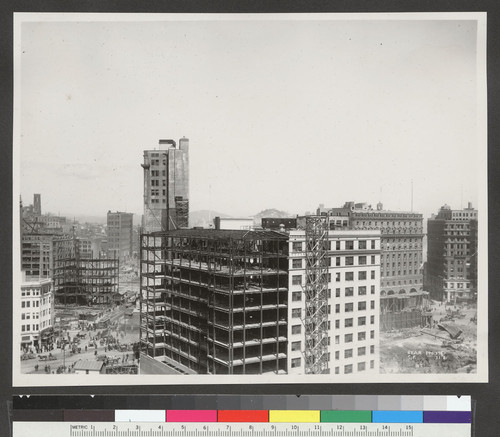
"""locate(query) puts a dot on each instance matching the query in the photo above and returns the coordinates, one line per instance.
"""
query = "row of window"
(399, 272)
(27, 304)
(297, 246)
(25, 328)
(361, 367)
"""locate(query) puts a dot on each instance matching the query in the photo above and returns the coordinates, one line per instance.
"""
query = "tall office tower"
(166, 186)
(402, 296)
(452, 254)
(37, 204)
(120, 234)
(352, 304)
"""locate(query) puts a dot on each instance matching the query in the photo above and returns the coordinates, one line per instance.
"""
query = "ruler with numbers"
(131, 429)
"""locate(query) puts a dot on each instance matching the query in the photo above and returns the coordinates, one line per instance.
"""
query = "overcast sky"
(280, 114)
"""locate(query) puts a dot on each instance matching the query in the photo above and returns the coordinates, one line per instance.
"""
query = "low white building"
(353, 259)
(87, 367)
(37, 313)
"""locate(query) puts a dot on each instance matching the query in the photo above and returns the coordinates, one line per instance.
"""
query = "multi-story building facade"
(452, 254)
(37, 255)
(120, 234)
(37, 314)
(353, 301)
(401, 263)
(166, 186)
(237, 302)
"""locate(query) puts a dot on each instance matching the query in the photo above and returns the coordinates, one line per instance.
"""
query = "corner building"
(452, 254)
(353, 301)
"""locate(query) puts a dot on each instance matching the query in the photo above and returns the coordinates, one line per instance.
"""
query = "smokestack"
(171, 143)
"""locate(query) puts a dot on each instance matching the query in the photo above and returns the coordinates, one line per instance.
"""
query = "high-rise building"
(166, 186)
(260, 301)
(401, 263)
(120, 234)
(352, 306)
(452, 254)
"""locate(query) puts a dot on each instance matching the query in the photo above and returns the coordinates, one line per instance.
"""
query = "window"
(372, 364)
(296, 329)
(348, 338)
(372, 304)
(296, 263)
(296, 312)
(337, 292)
(372, 289)
(372, 334)
(361, 351)
(348, 368)
(337, 261)
(337, 308)
(348, 322)
(361, 366)
(296, 296)
(362, 260)
(362, 306)
(337, 370)
(349, 260)
(361, 336)
(373, 259)
(297, 246)
(349, 307)
(337, 277)
(361, 321)
(337, 245)
(296, 279)
(372, 320)
(337, 339)
(361, 275)
(337, 324)
(349, 291)
(372, 349)
(337, 355)
(348, 353)
(362, 244)
(349, 245)
(373, 244)
(349, 276)
(296, 345)
(361, 291)
(295, 362)
(23, 304)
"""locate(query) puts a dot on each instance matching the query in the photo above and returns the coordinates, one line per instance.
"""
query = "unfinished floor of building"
(215, 301)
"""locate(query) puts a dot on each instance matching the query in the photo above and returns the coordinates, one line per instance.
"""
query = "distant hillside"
(271, 213)
(204, 217)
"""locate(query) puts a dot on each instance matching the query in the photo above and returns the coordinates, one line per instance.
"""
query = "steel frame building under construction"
(80, 281)
(215, 301)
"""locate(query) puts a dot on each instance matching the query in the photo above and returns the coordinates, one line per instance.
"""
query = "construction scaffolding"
(215, 301)
(316, 295)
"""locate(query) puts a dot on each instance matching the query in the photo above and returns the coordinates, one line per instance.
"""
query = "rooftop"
(222, 234)
(88, 365)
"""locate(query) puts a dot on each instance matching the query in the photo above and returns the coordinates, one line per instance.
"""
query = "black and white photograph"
(249, 198)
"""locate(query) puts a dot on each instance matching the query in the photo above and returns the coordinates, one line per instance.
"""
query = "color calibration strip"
(388, 409)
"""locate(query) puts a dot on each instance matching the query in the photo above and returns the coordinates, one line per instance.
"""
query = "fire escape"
(316, 295)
